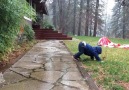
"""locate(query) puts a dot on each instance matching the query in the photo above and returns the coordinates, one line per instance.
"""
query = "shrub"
(11, 16)
(47, 25)
(28, 32)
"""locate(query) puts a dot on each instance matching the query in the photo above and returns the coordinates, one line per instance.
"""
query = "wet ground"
(47, 66)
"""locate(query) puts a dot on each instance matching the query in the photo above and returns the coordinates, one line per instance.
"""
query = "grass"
(113, 73)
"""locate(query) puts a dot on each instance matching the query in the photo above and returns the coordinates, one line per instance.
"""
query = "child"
(84, 48)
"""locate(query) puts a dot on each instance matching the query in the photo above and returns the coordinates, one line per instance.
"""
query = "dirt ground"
(14, 57)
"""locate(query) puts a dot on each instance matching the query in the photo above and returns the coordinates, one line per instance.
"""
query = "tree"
(60, 4)
(76, 16)
(124, 23)
(96, 18)
(80, 18)
(54, 12)
(74, 19)
(67, 17)
(120, 19)
(87, 18)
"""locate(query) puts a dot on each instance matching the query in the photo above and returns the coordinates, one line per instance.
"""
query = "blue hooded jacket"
(93, 51)
(89, 50)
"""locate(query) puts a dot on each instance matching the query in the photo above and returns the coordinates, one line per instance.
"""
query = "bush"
(29, 33)
(47, 25)
(11, 16)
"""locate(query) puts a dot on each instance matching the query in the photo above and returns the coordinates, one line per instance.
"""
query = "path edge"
(84, 73)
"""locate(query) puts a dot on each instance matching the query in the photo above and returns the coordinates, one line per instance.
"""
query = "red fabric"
(103, 41)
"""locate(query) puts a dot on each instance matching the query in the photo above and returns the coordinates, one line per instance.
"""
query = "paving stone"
(56, 58)
(22, 71)
(32, 53)
(72, 70)
(67, 58)
(45, 54)
(57, 66)
(51, 50)
(12, 77)
(44, 57)
(64, 88)
(27, 58)
(28, 85)
(72, 76)
(27, 65)
(2, 80)
(39, 70)
(55, 49)
(72, 65)
(62, 52)
(40, 60)
(81, 85)
(40, 44)
(36, 49)
(47, 76)
(51, 67)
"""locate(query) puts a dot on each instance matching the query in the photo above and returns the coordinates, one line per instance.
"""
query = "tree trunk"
(67, 17)
(96, 18)
(60, 15)
(80, 18)
(123, 22)
(63, 15)
(54, 13)
(74, 19)
(91, 26)
(87, 18)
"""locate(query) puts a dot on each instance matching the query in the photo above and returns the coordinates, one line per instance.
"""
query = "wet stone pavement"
(47, 66)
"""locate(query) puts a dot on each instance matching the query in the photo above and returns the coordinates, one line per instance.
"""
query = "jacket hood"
(99, 50)
(84, 43)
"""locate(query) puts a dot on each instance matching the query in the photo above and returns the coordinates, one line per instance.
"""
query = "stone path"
(47, 66)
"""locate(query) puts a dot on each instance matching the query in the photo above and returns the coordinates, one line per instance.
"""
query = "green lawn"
(113, 73)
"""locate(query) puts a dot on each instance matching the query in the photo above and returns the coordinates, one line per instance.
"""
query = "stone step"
(45, 30)
(50, 34)
(40, 36)
(55, 38)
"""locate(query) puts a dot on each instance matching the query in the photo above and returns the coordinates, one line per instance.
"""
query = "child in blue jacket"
(84, 48)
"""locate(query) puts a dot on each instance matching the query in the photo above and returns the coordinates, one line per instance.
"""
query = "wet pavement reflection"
(47, 66)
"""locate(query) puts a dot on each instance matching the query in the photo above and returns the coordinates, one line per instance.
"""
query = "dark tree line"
(120, 19)
(86, 17)
(77, 17)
